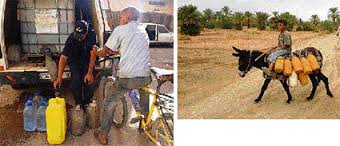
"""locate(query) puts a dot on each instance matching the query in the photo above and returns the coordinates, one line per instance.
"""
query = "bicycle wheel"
(120, 114)
(158, 132)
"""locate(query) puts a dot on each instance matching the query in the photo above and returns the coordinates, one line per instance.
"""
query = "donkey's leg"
(315, 83)
(325, 80)
(286, 87)
(264, 88)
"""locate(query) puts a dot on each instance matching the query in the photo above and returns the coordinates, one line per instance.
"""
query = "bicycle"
(160, 130)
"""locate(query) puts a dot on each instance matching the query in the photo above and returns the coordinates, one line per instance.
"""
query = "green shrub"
(328, 26)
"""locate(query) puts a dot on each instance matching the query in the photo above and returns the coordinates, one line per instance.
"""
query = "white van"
(158, 33)
(27, 28)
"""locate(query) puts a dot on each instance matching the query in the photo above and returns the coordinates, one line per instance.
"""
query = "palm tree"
(247, 17)
(273, 20)
(333, 13)
(208, 14)
(315, 19)
(300, 25)
(223, 18)
(226, 11)
(219, 15)
(189, 19)
(275, 14)
(261, 19)
(237, 18)
(208, 18)
(291, 19)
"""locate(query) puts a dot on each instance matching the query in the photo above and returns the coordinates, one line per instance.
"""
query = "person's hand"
(111, 53)
(88, 78)
(57, 83)
(95, 47)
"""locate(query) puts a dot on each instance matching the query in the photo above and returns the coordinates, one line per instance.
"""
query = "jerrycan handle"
(57, 92)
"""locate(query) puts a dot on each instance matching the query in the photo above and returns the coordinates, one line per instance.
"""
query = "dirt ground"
(11, 119)
(210, 87)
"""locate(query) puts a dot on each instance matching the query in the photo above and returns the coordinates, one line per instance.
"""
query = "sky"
(303, 9)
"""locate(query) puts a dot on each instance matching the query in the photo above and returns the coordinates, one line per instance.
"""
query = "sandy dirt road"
(11, 111)
(210, 88)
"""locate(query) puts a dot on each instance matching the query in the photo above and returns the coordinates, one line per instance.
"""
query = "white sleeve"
(113, 42)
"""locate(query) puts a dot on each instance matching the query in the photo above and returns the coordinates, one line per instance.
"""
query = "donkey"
(249, 59)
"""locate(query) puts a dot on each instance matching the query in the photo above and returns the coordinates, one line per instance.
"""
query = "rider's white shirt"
(132, 42)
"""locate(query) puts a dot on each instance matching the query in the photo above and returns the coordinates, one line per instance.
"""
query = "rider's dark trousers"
(82, 92)
(122, 86)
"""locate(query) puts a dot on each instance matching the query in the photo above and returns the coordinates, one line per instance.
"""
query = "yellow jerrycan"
(303, 78)
(279, 65)
(56, 120)
(297, 66)
(307, 69)
(313, 62)
(288, 69)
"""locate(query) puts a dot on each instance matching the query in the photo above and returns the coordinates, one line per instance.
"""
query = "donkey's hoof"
(330, 94)
(288, 101)
(257, 100)
(309, 98)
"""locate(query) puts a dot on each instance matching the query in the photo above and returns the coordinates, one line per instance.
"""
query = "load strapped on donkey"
(307, 63)
(299, 64)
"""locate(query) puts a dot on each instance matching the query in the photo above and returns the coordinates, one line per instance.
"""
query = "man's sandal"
(101, 137)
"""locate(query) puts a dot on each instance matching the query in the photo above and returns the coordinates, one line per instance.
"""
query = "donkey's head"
(244, 60)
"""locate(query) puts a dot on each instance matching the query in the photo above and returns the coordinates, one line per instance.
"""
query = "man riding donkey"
(284, 47)
(307, 63)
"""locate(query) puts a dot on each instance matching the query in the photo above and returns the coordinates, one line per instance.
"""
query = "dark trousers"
(82, 92)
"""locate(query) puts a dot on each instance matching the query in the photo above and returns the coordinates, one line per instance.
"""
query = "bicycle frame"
(145, 124)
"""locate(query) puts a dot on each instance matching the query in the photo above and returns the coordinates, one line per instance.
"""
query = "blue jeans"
(122, 86)
(272, 57)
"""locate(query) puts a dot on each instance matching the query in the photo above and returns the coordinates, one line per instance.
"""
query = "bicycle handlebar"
(109, 58)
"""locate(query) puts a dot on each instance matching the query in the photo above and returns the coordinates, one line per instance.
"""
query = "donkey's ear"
(236, 54)
(237, 50)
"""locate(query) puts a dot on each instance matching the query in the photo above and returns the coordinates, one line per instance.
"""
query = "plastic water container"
(293, 80)
(288, 69)
(37, 98)
(41, 116)
(91, 115)
(313, 62)
(135, 101)
(297, 66)
(56, 120)
(307, 69)
(279, 65)
(30, 120)
(78, 121)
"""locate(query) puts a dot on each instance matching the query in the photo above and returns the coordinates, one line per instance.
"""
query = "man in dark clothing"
(78, 55)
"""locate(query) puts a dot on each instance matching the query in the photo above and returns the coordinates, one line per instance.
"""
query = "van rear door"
(152, 33)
